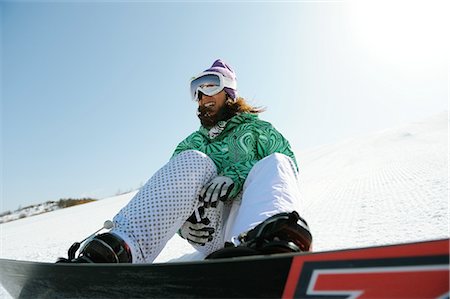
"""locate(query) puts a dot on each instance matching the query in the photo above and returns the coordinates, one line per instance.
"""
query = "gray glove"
(196, 230)
(217, 189)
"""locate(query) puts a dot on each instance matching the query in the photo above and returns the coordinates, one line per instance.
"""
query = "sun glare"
(402, 31)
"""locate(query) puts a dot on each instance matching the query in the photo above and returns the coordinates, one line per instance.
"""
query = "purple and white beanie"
(219, 66)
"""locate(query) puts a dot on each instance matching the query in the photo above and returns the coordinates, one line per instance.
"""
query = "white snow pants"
(164, 203)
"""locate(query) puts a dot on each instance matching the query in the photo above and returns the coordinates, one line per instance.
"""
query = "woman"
(222, 181)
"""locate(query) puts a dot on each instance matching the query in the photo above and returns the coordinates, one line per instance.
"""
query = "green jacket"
(244, 141)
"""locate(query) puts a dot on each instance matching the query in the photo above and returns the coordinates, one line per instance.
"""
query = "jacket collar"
(230, 125)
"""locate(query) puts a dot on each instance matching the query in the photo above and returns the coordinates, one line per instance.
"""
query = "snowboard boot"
(104, 248)
(281, 233)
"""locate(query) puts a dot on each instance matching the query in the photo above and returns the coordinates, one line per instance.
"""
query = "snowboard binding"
(281, 233)
(103, 248)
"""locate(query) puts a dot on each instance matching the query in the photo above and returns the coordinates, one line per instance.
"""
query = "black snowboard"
(416, 268)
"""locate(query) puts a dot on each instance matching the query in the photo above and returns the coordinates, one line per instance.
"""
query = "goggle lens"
(209, 84)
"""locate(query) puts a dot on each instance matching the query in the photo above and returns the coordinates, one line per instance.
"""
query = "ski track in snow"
(386, 188)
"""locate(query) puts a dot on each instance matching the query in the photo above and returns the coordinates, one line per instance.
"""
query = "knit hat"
(219, 66)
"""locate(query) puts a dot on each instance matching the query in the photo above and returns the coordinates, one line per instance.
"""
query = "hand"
(218, 189)
(195, 229)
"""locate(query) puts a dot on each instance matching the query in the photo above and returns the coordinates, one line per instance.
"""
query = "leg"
(270, 188)
(162, 205)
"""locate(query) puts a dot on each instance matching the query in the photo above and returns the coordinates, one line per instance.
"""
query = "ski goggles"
(210, 83)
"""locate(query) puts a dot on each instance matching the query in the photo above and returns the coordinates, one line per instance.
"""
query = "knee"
(279, 158)
(191, 153)
(194, 155)
(195, 160)
(276, 163)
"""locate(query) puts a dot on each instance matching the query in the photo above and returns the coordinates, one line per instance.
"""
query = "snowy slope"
(388, 187)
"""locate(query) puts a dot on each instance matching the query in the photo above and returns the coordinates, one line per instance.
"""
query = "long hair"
(227, 111)
(240, 106)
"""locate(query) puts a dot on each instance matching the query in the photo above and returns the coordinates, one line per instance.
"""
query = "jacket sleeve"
(269, 141)
(195, 141)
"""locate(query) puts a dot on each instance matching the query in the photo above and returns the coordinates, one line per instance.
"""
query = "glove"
(195, 229)
(218, 188)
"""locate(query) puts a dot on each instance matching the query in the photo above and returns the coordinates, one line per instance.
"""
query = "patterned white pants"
(164, 203)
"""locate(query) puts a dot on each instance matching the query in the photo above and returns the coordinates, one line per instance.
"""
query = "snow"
(385, 188)
(389, 187)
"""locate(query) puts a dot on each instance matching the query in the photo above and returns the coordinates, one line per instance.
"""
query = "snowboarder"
(225, 179)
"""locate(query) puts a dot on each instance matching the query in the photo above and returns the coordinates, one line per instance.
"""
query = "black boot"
(104, 248)
(281, 233)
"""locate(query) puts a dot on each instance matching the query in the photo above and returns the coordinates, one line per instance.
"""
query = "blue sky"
(95, 94)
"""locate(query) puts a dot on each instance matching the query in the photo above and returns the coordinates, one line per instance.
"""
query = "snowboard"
(413, 270)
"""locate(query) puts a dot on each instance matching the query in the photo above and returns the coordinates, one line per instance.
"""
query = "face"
(210, 108)
(213, 103)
